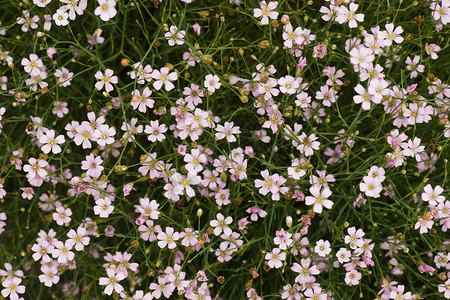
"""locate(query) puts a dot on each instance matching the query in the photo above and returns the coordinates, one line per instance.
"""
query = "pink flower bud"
(51, 51)
(140, 220)
(197, 28)
(182, 150)
(285, 19)
(304, 230)
(411, 88)
(248, 150)
(301, 63)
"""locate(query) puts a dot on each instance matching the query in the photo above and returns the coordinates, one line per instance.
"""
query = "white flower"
(227, 131)
(212, 82)
(424, 225)
(106, 9)
(61, 18)
(112, 281)
(50, 142)
(168, 238)
(319, 199)
(343, 255)
(175, 36)
(103, 207)
(266, 11)
(221, 224)
(322, 248)
(105, 80)
(164, 77)
(275, 257)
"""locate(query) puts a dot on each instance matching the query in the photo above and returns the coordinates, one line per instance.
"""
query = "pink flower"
(60, 109)
(424, 225)
(61, 18)
(398, 294)
(292, 37)
(301, 63)
(283, 239)
(221, 224)
(104, 135)
(288, 84)
(227, 131)
(12, 288)
(413, 148)
(361, 57)
(242, 223)
(266, 11)
(50, 142)
(319, 198)
(255, 211)
(41, 3)
(212, 83)
(431, 50)
(377, 173)
(320, 50)
(64, 76)
(322, 248)
(33, 66)
(175, 36)
(195, 161)
(27, 21)
(424, 268)
(49, 276)
(371, 187)
(142, 74)
(184, 183)
(291, 292)
(433, 196)
(378, 88)
(275, 258)
(155, 131)
(343, 255)
(148, 208)
(106, 79)
(304, 270)
(163, 287)
(363, 97)
(344, 15)
(327, 94)
(354, 237)
(78, 238)
(164, 77)
(106, 10)
(103, 207)
(112, 281)
(441, 10)
(62, 252)
(62, 216)
(296, 170)
(168, 238)
(353, 277)
(252, 294)
(445, 288)
(393, 35)
(92, 165)
(189, 237)
(308, 144)
(267, 185)
(142, 101)
(197, 29)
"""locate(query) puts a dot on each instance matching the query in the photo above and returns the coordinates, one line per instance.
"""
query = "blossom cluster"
(163, 149)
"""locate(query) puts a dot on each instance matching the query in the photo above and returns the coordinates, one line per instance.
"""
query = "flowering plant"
(224, 149)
